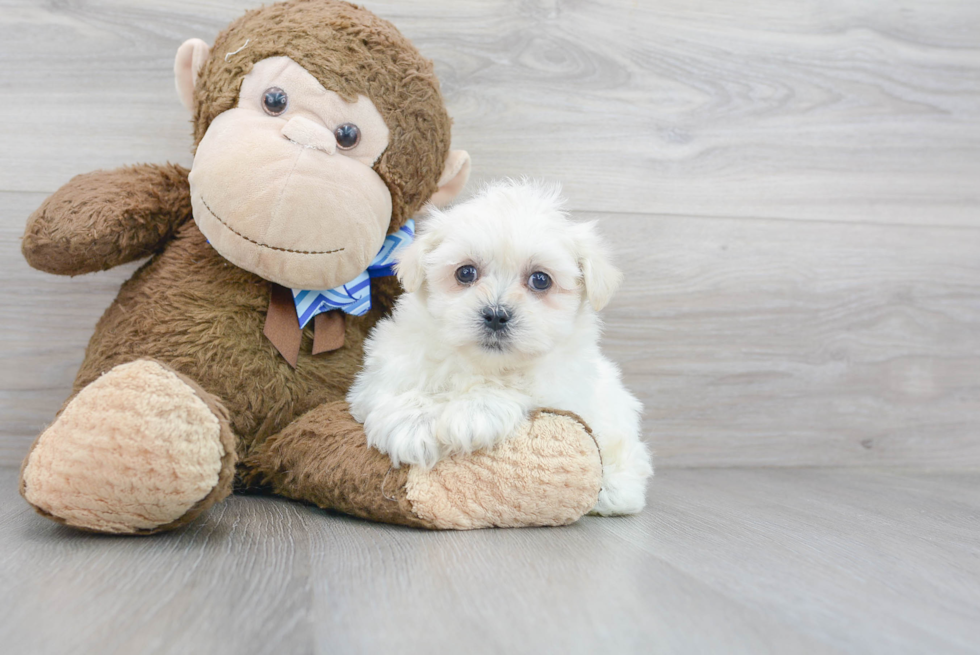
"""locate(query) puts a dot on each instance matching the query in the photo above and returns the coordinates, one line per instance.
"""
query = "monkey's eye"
(539, 281)
(466, 274)
(347, 136)
(274, 101)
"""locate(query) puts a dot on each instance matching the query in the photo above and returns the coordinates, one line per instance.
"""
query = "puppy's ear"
(600, 277)
(410, 267)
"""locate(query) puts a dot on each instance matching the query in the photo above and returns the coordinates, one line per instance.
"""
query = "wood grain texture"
(857, 111)
(792, 191)
(733, 561)
(755, 342)
(750, 342)
(700, 134)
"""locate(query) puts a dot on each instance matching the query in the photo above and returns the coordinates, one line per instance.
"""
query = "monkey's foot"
(139, 450)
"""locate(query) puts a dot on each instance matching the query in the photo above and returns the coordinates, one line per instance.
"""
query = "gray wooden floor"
(793, 190)
(723, 561)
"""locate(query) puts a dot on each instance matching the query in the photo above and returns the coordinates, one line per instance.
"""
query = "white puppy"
(500, 319)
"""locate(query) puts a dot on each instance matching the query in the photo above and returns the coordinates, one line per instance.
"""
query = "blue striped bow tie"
(355, 296)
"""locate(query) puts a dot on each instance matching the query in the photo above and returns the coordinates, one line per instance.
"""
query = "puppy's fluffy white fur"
(438, 379)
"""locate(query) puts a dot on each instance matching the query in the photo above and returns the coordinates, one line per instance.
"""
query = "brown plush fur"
(107, 218)
(324, 458)
(193, 311)
(350, 51)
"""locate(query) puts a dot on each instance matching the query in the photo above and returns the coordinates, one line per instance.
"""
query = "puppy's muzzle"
(495, 318)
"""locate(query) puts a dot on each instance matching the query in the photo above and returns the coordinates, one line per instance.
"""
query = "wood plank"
(846, 111)
(237, 581)
(45, 324)
(792, 343)
(735, 561)
(580, 589)
(866, 561)
(750, 342)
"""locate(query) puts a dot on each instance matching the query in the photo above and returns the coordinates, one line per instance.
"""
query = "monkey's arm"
(106, 218)
(549, 473)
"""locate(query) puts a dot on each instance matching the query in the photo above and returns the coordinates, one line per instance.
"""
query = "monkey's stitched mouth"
(263, 245)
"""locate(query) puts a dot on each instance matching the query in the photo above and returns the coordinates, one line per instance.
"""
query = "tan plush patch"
(549, 474)
(134, 450)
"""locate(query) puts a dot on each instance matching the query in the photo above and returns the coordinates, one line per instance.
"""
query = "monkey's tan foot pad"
(549, 474)
(139, 450)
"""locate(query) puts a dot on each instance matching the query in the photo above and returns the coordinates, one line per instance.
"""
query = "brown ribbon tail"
(328, 331)
(282, 324)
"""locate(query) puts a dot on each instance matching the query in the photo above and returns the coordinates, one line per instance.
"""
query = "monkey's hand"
(106, 218)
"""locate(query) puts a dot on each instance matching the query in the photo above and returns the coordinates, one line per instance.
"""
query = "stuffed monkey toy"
(319, 132)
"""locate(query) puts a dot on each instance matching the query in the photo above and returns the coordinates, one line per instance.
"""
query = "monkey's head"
(319, 129)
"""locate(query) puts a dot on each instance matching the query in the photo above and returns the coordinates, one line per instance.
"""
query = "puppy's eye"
(466, 274)
(274, 101)
(539, 281)
(348, 135)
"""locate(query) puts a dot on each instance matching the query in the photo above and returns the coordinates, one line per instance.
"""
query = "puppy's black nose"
(495, 317)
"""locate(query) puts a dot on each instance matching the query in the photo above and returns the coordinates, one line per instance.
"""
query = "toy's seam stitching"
(264, 245)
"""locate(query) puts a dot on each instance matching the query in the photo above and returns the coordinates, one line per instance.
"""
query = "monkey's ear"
(600, 277)
(454, 176)
(191, 55)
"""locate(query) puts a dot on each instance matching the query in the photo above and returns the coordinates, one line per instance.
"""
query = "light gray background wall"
(793, 188)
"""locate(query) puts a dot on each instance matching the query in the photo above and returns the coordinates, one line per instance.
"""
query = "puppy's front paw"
(406, 433)
(476, 422)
